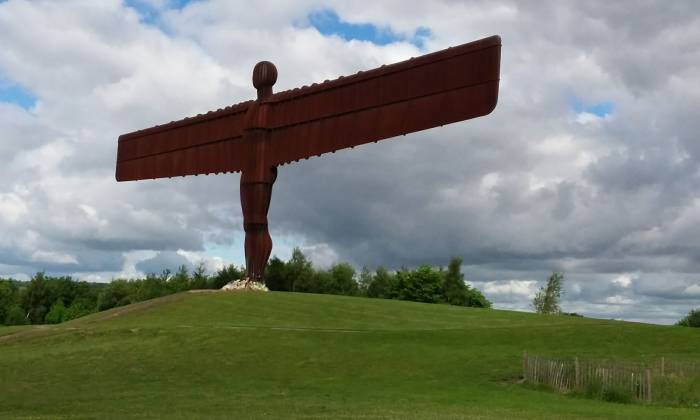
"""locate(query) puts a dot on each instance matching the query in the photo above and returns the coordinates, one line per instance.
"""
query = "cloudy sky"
(589, 165)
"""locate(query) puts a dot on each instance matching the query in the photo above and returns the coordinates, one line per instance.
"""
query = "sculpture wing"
(447, 86)
(207, 143)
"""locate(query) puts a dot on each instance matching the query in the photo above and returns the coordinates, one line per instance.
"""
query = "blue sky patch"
(151, 15)
(600, 109)
(328, 23)
(16, 94)
(235, 252)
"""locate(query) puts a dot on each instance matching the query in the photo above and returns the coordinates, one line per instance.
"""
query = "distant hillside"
(289, 355)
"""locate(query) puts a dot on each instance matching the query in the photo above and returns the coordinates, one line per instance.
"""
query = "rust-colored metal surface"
(255, 137)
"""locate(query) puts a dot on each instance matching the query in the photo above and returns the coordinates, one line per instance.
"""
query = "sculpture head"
(264, 77)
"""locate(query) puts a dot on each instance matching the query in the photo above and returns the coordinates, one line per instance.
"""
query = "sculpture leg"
(256, 193)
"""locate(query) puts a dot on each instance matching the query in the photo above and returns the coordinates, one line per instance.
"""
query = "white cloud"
(53, 257)
(522, 288)
(692, 291)
(619, 300)
(12, 208)
(624, 280)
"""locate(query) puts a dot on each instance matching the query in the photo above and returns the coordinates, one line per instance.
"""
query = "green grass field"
(285, 355)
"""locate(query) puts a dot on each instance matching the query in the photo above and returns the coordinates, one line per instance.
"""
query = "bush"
(79, 308)
(596, 390)
(314, 282)
(224, 276)
(678, 391)
(691, 320)
(57, 313)
(180, 281)
(116, 293)
(15, 316)
(150, 288)
(420, 285)
(342, 280)
(35, 299)
(476, 300)
(276, 277)
(199, 278)
(380, 286)
(8, 299)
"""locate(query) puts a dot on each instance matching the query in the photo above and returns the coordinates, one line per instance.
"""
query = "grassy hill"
(253, 355)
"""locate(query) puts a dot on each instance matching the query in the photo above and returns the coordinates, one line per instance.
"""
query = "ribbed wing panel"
(207, 143)
(436, 89)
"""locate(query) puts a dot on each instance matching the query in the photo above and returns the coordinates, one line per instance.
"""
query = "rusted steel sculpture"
(255, 137)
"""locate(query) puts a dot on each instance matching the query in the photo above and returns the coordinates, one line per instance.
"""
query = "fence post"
(648, 380)
(577, 378)
(663, 366)
(525, 373)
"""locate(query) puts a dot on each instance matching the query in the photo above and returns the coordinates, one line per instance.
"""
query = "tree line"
(51, 300)
(425, 283)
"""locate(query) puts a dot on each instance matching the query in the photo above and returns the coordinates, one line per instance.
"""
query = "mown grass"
(6, 330)
(285, 355)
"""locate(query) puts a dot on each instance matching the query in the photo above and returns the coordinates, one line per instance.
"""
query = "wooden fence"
(634, 379)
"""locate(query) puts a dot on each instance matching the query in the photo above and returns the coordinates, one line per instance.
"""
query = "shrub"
(8, 298)
(314, 282)
(691, 320)
(679, 391)
(380, 285)
(224, 276)
(342, 280)
(79, 308)
(116, 293)
(57, 313)
(35, 299)
(276, 277)
(420, 285)
(180, 281)
(476, 300)
(151, 287)
(199, 278)
(15, 316)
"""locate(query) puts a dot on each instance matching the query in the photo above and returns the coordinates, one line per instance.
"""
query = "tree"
(319, 281)
(199, 277)
(276, 277)
(454, 289)
(475, 299)
(364, 280)
(60, 288)
(57, 314)
(380, 285)
(79, 307)
(150, 288)
(342, 280)
(691, 320)
(116, 293)
(546, 301)
(15, 316)
(299, 269)
(180, 281)
(8, 299)
(420, 285)
(35, 299)
(225, 276)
